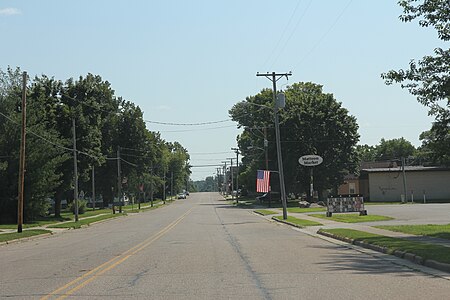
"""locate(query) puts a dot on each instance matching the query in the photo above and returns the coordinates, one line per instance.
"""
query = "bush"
(82, 204)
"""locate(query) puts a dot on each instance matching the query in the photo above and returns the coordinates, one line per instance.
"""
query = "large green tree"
(312, 122)
(429, 78)
(43, 156)
(104, 124)
(394, 149)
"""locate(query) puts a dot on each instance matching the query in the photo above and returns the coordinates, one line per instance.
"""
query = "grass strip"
(86, 221)
(4, 237)
(45, 221)
(265, 212)
(353, 218)
(432, 230)
(305, 210)
(297, 222)
(426, 251)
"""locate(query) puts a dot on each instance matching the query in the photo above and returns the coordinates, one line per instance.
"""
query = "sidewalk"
(367, 227)
(327, 224)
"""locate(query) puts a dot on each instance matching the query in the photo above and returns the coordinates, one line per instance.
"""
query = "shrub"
(82, 204)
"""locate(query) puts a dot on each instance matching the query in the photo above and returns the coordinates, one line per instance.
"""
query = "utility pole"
(171, 184)
(225, 183)
(274, 77)
(151, 185)
(232, 178)
(22, 155)
(93, 187)
(404, 181)
(75, 167)
(119, 180)
(237, 173)
(266, 145)
(164, 186)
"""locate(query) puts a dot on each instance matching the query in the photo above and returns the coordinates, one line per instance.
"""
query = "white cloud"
(9, 11)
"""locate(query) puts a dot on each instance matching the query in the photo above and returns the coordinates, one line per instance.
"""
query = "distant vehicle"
(181, 196)
(187, 193)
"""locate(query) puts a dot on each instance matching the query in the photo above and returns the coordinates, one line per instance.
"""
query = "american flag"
(262, 181)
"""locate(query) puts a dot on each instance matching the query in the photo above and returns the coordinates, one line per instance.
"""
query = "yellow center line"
(94, 273)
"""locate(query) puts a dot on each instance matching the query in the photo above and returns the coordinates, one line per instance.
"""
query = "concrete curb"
(401, 254)
(286, 222)
(30, 238)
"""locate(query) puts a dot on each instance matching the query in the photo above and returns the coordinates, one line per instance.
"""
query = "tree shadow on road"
(349, 260)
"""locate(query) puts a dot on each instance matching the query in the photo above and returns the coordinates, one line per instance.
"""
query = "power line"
(282, 35)
(200, 129)
(187, 124)
(292, 33)
(326, 33)
(207, 153)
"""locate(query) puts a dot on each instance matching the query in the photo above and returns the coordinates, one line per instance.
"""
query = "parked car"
(181, 196)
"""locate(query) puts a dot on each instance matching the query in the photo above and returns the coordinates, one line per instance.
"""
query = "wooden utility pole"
(274, 77)
(266, 145)
(119, 181)
(75, 167)
(93, 187)
(22, 154)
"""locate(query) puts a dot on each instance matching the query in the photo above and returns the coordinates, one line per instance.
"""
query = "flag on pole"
(262, 181)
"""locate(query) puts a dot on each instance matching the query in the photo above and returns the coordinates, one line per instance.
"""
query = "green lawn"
(4, 237)
(305, 210)
(353, 218)
(265, 212)
(82, 222)
(44, 221)
(298, 222)
(426, 251)
(437, 231)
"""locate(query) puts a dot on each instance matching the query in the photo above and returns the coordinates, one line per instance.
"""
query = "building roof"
(407, 169)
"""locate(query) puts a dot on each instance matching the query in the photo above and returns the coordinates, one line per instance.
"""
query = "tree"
(394, 149)
(42, 156)
(429, 78)
(366, 153)
(311, 123)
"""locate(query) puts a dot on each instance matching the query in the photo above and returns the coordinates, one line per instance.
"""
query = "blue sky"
(190, 61)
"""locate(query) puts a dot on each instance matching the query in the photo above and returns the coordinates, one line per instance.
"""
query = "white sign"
(310, 160)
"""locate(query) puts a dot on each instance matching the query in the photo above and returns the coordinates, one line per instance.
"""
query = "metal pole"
(119, 180)
(75, 167)
(312, 184)
(22, 155)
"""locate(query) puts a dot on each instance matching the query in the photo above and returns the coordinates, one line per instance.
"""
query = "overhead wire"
(292, 33)
(325, 34)
(282, 34)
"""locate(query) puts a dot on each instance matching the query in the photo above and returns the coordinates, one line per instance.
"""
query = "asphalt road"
(202, 248)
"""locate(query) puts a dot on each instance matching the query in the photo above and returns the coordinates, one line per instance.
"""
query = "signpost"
(311, 161)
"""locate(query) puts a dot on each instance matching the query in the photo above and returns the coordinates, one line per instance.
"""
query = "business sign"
(310, 160)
